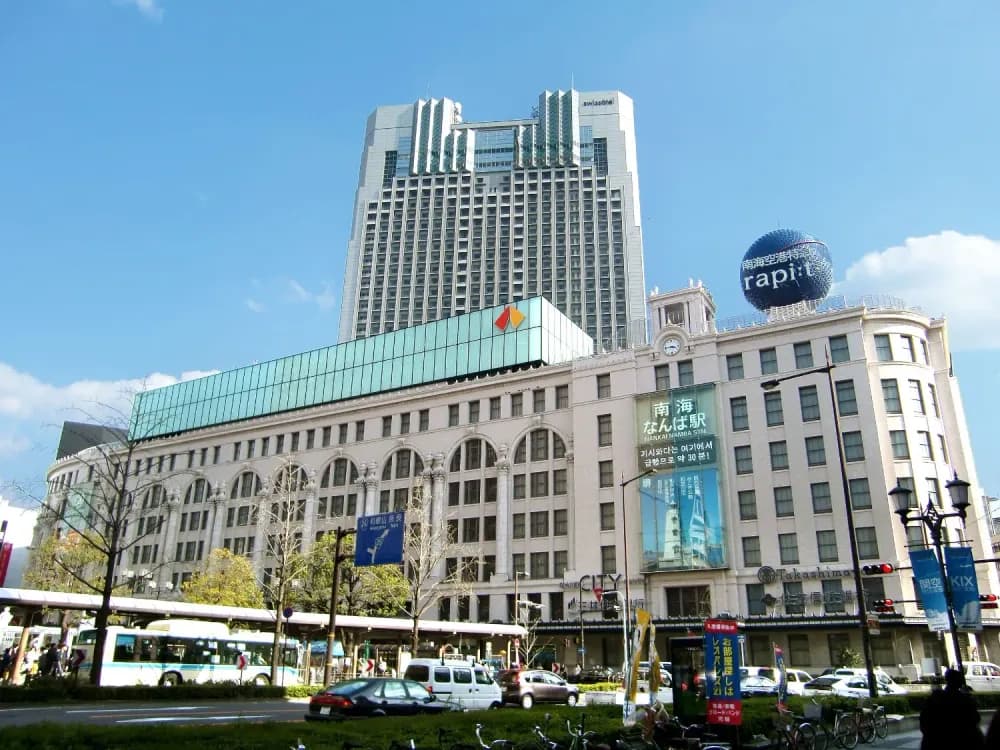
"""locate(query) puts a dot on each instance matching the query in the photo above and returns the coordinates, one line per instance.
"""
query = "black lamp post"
(627, 604)
(859, 592)
(934, 519)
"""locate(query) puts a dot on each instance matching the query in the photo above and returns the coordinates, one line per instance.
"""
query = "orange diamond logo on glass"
(510, 316)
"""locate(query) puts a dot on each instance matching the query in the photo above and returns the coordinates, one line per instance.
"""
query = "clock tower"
(688, 312)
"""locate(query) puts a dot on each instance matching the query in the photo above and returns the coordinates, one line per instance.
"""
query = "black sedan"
(374, 696)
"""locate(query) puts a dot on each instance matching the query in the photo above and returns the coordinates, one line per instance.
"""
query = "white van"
(463, 683)
(982, 675)
(795, 679)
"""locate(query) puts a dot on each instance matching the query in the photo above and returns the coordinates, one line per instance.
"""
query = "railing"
(836, 303)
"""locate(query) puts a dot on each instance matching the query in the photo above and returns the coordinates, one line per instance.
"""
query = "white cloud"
(324, 299)
(952, 274)
(149, 8)
(12, 445)
(254, 305)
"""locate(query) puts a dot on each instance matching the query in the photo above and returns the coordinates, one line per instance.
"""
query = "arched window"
(247, 484)
(338, 474)
(198, 491)
(290, 479)
(544, 445)
(152, 497)
(399, 474)
(336, 499)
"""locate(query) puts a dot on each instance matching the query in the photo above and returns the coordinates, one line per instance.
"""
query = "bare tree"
(280, 520)
(116, 503)
(436, 565)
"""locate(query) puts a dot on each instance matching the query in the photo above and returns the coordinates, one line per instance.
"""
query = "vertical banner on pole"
(927, 573)
(779, 665)
(643, 619)
(722, 670)
(964, 588)
(655, 677)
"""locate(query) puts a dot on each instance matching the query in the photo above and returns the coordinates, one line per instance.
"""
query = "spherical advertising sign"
(784, 267)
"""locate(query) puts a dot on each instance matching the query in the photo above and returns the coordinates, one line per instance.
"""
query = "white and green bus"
(171, 652)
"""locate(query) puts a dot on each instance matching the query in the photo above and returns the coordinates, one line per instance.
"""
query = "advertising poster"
(722, 672)
(927, 574)
(682, 519)
(964, 588)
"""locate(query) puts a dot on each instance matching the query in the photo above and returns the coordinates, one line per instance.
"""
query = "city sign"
(380, 539)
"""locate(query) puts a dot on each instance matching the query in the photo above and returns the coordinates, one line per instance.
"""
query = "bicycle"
(872, 722)
(498, 744)
(794, 732)
(843, 733)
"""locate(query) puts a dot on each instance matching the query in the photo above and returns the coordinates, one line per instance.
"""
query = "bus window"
(171, 650)
(124, 647)
(148, 646)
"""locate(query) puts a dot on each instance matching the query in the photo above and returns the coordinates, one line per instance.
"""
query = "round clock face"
(671, 346)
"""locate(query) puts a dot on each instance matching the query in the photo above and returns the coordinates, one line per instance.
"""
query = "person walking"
(950, 718)
(6, 663)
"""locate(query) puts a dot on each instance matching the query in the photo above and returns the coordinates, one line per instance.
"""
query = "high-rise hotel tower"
(454, 216)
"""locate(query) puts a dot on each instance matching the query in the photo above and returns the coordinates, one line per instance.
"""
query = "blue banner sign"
(722, 672)
(964, 588)
(779, 664)
(380, 539)
(927, 574)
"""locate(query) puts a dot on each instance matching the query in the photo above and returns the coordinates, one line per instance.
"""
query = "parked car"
(665, 672)
(531, 686)
(795, 679)
(847, 687)
(981, 675)
(460, 682)
(374, 696)
(755, 685)
(597, 673)
(887, 686)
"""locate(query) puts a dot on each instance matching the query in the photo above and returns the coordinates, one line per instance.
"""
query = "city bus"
(171, 652)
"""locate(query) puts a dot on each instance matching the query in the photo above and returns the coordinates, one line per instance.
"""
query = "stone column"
(503, 513)
(427, 487)
(309, 519)
(218, 501)
(438, 516)
(371, 489)
(259, 534)
(173, 505)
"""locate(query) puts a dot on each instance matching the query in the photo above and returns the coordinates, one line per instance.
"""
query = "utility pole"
(331, 634)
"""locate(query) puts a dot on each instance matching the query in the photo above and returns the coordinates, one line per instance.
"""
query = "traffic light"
(877, 569)
(988, 601)
(885, 605)
(610, 608)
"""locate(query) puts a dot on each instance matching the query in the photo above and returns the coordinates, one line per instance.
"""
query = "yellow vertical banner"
(643, 619)
(655, 677)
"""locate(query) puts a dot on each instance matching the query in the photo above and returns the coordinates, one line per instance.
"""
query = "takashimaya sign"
(767, 574)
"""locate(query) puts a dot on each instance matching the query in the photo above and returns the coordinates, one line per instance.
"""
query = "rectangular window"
(909, 353)
(452, 415)
(867, 543)
(609, 559)
(310, 440)
(734, 366)
(772, 408)
(768, 361)
(917, 397)
(359, 431)
(604, 429)
(539, 568)
(798, 649)
(932, 392)
(943, 446)
(784, 505)
(295, 441)
(425, 420)
(538, 400)
(495, 407)
(809, 403)
(472, 489)
(890, 395)
(788, 549)
(821, 500)
(342, 434)
(924, 448)
(662, 375)
(607, 516)
(854, 446)
(900, 448)
(559, 482)
(847, 401)
(516, 404)
(605, 474)
(520, 486)
(755, 599)
(685, 372)
(404, 423)
(327, 436)
(473, 412)
(539, 484)
(748, 505)
(216, 451)
(539, 523)
(883, 347)
(517, 526)
(744, 459)
(861, 497)
(738, 413)
(779, 455)
(560, 563)
(454, 493)
(470, 529)
(236, 452)
(751, 551)
(386, 427)
(826, 544)
(934, 493)
(560, 522)
(803, 354)
(604, 386)
(815, 451)
(688, 601)
(839, 351)
(833, 595)
(562, 396)
(794, 599)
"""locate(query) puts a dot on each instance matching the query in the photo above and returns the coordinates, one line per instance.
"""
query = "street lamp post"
(517, 606)
(933, 519)
(331, 628)
(627, 604)
(859, 592)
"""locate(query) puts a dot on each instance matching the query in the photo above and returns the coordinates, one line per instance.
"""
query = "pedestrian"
(52, 667)
(6, 661)
(950, 718)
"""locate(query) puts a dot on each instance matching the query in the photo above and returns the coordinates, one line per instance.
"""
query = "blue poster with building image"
(964, 588)
(930, 586)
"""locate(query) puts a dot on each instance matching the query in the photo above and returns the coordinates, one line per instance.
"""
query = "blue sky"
(177, 177)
